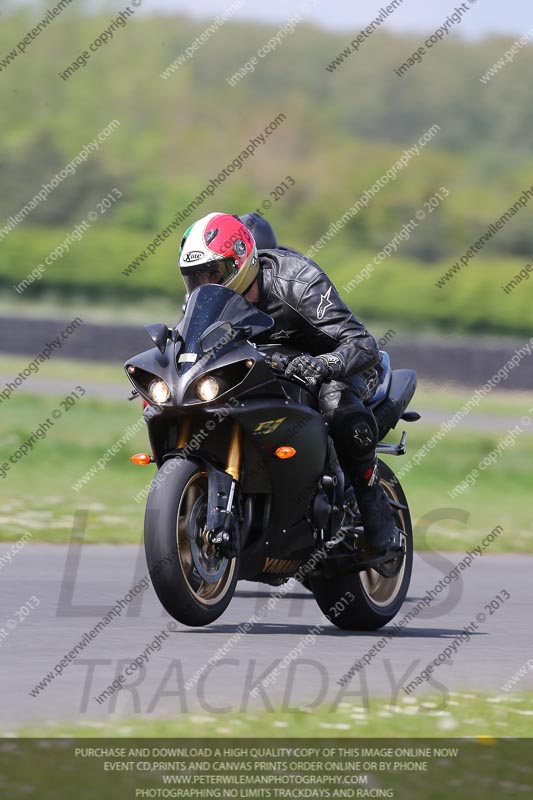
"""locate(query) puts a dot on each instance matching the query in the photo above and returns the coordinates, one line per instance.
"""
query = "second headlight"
(207, 389)
(159, 391)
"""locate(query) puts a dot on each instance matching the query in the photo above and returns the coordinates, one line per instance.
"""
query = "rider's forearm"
(357, 354)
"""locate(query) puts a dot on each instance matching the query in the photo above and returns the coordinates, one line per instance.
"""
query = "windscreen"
(213, 303)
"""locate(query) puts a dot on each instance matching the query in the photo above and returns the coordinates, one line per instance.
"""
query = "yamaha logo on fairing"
(194, 255)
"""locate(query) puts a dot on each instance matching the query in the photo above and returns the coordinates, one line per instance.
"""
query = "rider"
(338, 352)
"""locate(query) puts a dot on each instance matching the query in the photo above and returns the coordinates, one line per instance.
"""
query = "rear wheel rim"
(381, 591)
(197, 565)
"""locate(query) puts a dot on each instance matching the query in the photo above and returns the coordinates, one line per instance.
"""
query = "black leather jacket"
(308, 312)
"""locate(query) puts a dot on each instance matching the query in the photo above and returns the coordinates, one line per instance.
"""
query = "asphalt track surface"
(31, 648)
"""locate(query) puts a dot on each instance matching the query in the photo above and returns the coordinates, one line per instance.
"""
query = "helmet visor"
(219, 271)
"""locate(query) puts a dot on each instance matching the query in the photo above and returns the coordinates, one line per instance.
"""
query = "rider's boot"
(381, 534)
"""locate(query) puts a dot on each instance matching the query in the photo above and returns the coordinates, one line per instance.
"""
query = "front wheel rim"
(206, 592)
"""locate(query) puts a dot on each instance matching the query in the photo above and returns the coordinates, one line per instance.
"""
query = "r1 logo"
(269, 425)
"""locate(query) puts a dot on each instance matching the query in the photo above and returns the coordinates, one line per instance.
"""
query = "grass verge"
(461, 714)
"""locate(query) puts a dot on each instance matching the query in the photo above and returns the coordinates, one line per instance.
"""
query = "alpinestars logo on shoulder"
(324, 304)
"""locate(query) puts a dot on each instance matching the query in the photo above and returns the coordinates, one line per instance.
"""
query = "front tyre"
(193, 583)
(376, 599)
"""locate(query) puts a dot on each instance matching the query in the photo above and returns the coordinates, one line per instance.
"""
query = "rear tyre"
(193, 583)
(376, 599)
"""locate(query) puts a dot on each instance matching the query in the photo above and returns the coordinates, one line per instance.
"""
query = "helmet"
(262, 231)
(218, 249)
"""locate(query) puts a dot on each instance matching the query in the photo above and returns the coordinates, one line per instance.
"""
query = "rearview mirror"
(217, 335)
(158, 333)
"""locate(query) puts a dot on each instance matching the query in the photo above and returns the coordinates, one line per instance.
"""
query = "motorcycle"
(248, 485)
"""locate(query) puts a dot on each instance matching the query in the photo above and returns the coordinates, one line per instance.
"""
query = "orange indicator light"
(141, 458)
(285, 452)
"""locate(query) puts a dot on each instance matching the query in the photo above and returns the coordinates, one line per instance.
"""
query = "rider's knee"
(354, 430)
(364, 436)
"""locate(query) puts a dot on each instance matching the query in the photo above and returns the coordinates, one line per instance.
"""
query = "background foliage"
(344, 130)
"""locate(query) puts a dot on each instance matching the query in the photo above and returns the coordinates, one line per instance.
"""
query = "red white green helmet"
(218, 249)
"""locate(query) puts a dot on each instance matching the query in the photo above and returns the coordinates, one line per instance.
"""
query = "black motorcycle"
(248, 485)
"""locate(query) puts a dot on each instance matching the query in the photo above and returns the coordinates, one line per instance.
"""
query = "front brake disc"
(209, 564)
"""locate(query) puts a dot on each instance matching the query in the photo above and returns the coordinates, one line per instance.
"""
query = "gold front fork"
(184, 433)
(233, 466)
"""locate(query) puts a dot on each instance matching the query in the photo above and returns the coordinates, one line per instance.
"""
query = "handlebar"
(278, 364)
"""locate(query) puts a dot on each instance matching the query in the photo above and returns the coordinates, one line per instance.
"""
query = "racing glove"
(315, 369)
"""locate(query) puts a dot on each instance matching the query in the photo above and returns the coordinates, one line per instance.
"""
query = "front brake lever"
(302, 382)
(279, 363)
(134, 395)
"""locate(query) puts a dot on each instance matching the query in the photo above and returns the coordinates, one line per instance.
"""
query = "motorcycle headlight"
(207, 389)
(159, 391)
